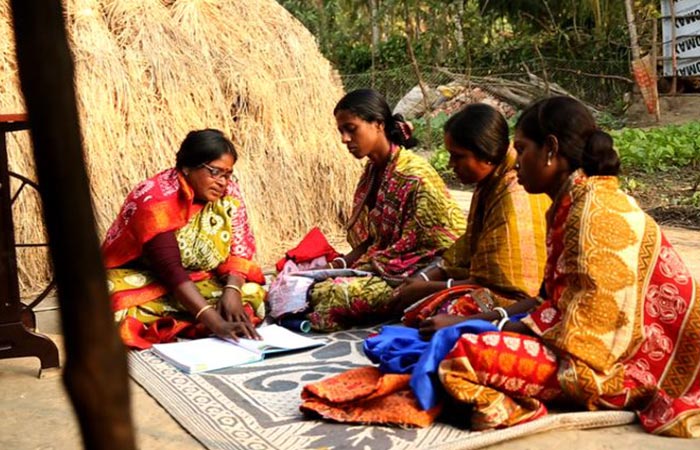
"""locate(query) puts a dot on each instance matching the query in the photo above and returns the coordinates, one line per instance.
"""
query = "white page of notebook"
(205, 354)
(275, 338)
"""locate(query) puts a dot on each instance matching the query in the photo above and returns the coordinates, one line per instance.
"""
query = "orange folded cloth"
(365, 395)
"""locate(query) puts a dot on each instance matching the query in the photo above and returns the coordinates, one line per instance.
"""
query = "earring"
(549, 159)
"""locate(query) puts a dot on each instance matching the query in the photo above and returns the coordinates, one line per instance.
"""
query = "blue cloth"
(396, 349)
(424, 380)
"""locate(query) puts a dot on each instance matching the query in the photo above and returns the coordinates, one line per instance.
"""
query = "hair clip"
(405, 129)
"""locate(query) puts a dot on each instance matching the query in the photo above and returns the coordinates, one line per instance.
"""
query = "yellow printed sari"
(619, 328)
(412, 222)
(503, 248)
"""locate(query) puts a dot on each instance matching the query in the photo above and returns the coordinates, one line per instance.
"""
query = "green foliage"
(433, 133)
(430, 134)
(647, 150)
(557, 40)
(608, 121)
(659, 149)
(693, 200)
(440, 160)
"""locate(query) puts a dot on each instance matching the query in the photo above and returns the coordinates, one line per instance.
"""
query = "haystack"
(148, 71)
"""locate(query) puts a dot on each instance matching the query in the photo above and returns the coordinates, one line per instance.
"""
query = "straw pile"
(148, 71)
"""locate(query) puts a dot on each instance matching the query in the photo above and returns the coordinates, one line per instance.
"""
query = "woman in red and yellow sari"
(180, 250)
(619, 323)
(403, 216)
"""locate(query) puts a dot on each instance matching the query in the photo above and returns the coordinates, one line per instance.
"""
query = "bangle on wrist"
(341, 260)
(202, 310)
(502, 323)
(234, 287)
(501, 312)
(423, 276)
(450, 282)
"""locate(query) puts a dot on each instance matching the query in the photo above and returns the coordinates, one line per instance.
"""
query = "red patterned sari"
(413, 220)
(221, 244)
(620, 326)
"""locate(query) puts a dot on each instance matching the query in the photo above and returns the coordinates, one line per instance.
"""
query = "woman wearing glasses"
(179, 253)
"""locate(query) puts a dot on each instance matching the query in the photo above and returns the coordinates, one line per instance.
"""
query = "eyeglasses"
(215, 172)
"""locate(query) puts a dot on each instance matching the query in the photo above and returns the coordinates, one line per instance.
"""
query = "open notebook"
(203, 355)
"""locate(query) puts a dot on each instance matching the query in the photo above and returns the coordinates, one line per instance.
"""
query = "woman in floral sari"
(501, 257)
(180, 250)
(618, 324)
(403, 216)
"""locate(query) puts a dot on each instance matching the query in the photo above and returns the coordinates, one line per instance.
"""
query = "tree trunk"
(375, 34)
(457, 18)
(95, 373)
(632, 27)
(423, 88)
(322, 25)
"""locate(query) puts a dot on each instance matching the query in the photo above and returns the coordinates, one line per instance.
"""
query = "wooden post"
(421, 84)
(674, 56)
(654, 60)
(95, 373)
(374, 19)
(632, 27)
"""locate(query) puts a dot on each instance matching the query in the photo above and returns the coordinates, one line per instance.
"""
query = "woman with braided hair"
(403, 215)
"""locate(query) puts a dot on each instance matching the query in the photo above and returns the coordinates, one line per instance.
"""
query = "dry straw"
(148, 71)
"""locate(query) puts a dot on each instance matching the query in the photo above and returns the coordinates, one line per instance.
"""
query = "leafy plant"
(430, 130)
(440, 160)
(659, 149)
(693, 200)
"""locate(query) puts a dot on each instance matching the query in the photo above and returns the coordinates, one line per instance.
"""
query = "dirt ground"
(37, 414)
(675, 110)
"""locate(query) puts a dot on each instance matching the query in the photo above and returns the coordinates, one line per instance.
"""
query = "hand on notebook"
(237, 323)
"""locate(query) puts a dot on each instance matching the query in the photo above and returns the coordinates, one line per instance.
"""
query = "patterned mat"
(257, 406)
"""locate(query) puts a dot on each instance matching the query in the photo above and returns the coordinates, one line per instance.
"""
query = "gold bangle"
(234, 287)
(202, 310)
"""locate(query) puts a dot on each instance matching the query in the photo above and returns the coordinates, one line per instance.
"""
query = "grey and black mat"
(256, 407)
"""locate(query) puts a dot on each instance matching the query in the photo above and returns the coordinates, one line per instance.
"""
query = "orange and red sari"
(215, 240)
(619, 329)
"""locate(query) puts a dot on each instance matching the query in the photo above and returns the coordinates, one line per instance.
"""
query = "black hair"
(203, 146)
(481, 129)
(370, 106)
(580, 141)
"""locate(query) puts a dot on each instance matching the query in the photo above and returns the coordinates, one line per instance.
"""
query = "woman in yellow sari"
(618, 323)
(180, 250)
(501, 257)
